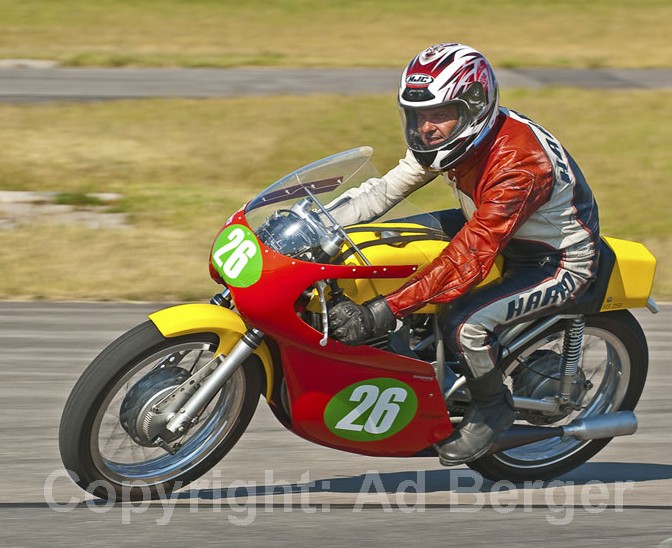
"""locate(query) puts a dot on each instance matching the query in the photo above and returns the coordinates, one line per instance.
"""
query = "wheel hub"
(540, 380)
(136, 414)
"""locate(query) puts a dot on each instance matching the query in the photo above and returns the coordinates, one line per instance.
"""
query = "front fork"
(189, 412)
(197, 391)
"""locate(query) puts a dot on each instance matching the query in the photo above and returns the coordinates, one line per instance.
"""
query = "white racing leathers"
(523, 197)
(375, 197)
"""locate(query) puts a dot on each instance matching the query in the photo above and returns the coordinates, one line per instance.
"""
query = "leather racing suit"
(522, 196)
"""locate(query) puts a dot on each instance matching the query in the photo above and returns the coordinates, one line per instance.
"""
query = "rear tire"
(99, 453)
(621, 381)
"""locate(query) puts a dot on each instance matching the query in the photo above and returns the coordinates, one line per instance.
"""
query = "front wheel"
(610, 378)
(108, 427)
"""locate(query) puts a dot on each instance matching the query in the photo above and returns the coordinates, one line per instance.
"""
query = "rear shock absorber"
(571, 356)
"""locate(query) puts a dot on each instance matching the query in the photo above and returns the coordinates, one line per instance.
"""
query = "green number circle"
(237, 257)
(371, 410)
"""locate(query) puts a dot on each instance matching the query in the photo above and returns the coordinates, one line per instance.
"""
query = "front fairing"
(272, 252)
(272, 291)
(316, 375)
(267, 294)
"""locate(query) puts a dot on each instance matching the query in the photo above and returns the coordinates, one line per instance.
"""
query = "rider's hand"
(353, 323)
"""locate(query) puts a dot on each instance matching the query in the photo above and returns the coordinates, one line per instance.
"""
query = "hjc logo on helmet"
(418, 80)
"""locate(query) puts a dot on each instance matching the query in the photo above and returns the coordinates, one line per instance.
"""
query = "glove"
(353, 323)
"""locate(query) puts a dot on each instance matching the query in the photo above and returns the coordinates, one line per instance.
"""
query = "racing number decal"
(237, 257)
(383, 409)
(371, 410)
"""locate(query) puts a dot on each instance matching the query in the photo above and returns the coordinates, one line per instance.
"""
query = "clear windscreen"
(306, 213)
(328, 183)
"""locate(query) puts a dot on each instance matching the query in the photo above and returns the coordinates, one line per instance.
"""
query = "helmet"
(440, 76)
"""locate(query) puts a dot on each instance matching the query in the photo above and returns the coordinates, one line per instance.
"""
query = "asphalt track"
(275, 488)
(38, 85)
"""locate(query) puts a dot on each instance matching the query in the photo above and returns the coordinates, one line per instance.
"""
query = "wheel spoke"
(121, 458)
(604, 362)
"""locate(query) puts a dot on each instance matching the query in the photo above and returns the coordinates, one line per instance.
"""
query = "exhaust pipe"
(621, 423)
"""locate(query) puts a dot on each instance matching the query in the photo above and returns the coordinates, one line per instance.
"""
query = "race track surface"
(275, 488)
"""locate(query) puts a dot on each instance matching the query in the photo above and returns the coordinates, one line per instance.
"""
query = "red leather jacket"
(523, 196)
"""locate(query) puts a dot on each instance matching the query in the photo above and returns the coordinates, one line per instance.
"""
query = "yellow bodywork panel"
(629, 286)
(632, 278)
(417, 252)
(207, 318)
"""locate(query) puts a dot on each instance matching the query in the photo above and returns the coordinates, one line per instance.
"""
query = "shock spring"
(571, 356)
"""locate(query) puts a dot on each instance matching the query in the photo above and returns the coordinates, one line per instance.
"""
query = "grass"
(77, 199)
(183, 166)
(224, 33)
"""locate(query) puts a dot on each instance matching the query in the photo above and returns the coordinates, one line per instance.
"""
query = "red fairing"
(508, 179)
(314, 378)
(215, 275)
(269, 303)
(315, 374)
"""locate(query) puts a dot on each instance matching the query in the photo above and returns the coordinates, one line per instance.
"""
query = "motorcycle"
(166, 401)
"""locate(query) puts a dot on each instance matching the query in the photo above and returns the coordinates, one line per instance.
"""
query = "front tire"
(109, 459)
(614, 361)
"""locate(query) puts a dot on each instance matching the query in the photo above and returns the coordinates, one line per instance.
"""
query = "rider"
(521, 195)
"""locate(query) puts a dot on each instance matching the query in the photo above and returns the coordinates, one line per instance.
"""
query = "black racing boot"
(491, 411)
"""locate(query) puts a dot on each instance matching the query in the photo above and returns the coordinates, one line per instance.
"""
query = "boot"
(491, 411)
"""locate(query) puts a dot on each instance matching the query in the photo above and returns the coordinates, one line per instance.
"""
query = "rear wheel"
(610, 378)
(108, 426)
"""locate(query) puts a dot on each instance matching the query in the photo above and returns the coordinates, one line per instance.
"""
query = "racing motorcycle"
(166, 401)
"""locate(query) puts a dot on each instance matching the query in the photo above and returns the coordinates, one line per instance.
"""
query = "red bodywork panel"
(314, 373)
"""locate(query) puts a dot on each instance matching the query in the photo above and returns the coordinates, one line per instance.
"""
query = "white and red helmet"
(448, 74)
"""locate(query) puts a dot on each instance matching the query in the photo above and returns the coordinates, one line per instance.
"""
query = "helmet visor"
(433, 128)
(436, 127)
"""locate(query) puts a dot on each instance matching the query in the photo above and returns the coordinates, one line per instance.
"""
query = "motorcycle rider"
(521, 195)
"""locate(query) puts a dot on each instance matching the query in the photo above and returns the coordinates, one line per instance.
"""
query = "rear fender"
(631, 280)
(207, 318)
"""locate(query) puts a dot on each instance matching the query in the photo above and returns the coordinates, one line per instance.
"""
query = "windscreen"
(329, 184)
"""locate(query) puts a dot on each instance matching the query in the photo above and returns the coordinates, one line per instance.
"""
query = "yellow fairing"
(632, 278)
(207, 318)
(418, 252)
